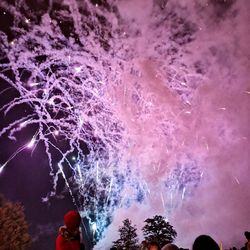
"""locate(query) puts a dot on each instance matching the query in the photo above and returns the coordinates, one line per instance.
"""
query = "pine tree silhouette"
(128, 237)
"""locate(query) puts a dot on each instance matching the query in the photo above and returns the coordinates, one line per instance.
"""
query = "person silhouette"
(205, 242)
(69, 236)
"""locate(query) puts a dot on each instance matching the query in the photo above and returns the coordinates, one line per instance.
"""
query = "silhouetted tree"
(13, 226)
(128, 237)
(159, 230)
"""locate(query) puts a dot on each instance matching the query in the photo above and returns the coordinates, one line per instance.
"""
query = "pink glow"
(166, 106)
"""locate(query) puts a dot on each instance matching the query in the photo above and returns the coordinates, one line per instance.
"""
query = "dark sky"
(26, 179)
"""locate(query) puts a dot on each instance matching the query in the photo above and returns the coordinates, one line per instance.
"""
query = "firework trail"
(111, 100)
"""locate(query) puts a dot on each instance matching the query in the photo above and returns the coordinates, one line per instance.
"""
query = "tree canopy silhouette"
(128, 237)
(159, 230)
(14, 228)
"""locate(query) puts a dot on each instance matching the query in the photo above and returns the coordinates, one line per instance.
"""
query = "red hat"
(72, 220)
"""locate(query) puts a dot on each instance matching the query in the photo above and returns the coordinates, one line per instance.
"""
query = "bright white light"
(222, 108)
(1, 168)
(81, 121)
(94, 226)
(51, 101)
(23, 124)
(183, 193)
(56, 132)
(78, 69)
(32, 84)
(73, 158)
(31, 143)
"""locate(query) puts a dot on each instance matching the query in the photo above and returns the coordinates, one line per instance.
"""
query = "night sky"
(127, 109)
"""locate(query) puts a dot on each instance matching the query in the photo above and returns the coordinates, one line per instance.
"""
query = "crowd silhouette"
(202, 242)
(69, 238)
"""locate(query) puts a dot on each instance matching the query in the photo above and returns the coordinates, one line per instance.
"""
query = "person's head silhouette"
(205, 242)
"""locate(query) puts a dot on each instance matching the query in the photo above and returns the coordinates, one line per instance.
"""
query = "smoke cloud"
(142, 107)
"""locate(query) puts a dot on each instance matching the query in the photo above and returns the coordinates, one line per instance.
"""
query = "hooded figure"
(69, 234)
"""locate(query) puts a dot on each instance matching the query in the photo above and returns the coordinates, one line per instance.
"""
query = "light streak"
(79, 172)
(19, 150)
(237, 180)
(33, 84)
(163, 202)
(183, 193)
(94, 226)
(171, 199)
(23, 124)
(110, 188)
(67, 183)
(80, 121)
(97, 171)
(31, 143)
(2, 168)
